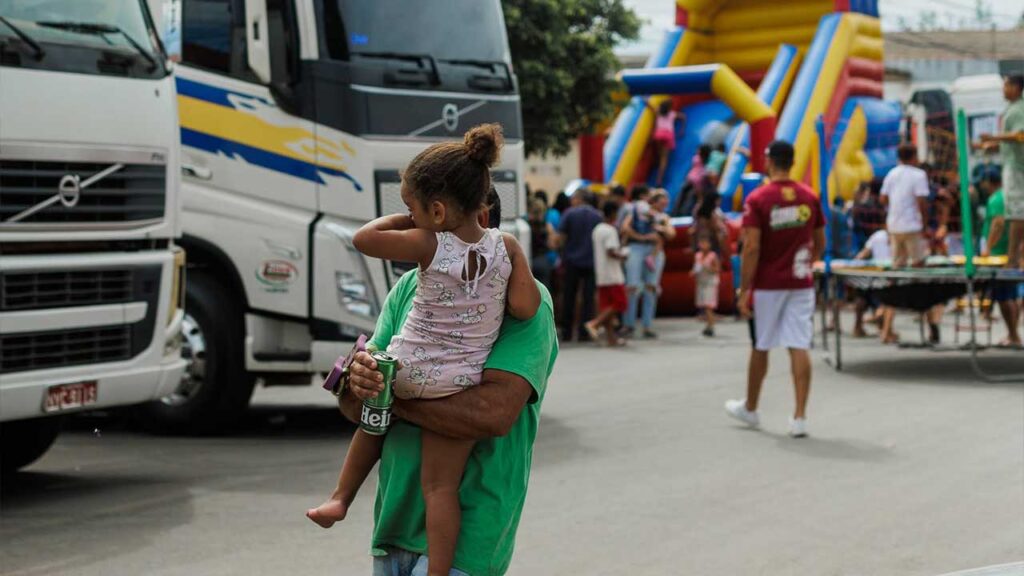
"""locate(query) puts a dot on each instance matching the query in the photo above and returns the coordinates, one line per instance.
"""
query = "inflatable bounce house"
(745, 72)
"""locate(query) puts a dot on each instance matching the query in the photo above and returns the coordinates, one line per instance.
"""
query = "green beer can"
(376, 416)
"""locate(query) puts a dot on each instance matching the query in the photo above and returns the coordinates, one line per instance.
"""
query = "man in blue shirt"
(574, 231)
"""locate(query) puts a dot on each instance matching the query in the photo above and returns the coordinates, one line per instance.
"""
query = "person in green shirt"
(501, 414)
(1011, 149)
(996, 242)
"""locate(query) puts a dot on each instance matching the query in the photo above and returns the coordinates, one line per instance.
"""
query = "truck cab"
(90, 276)
(297, 117)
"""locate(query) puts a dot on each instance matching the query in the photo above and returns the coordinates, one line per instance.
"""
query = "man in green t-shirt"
(1011, 150)
(501, 414)
(996, 241)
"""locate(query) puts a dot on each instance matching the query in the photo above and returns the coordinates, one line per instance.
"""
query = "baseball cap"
(986, 173)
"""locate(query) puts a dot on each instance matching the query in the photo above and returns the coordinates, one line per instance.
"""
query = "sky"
(660, 14)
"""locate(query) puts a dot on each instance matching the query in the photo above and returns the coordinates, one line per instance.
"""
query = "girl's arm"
(396, 237)
(715, 266)
(523, 295)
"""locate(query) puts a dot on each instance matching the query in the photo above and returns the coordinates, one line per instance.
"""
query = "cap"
(986, 173)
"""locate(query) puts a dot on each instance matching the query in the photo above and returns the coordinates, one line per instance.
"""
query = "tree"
(563, 58)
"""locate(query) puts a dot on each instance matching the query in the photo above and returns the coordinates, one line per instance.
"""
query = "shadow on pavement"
(294, 421)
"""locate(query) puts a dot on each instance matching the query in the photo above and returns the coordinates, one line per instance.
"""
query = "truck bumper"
(46, 348)
(23, 396)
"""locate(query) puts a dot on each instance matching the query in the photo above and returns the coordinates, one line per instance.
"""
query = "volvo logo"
(450, 117)
(70, 190)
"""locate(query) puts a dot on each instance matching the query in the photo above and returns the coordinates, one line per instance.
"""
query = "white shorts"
(783, 319)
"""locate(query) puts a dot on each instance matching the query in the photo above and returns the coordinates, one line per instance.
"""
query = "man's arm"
(485, 411)
(748, 267)
(819, 243)
(1004, 137)
(994, 234)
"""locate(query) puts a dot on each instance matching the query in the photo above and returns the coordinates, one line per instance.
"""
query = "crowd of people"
(604, 256)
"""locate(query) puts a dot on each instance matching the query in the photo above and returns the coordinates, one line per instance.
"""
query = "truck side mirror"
(257, 39)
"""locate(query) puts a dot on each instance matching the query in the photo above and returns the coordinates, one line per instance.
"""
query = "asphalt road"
(913, 467)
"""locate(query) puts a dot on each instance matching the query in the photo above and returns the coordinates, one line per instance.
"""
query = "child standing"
(468, 277)
(705, 269)
(611, 282)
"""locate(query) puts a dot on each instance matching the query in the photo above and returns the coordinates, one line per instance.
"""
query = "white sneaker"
(797, 427)
(738, 410)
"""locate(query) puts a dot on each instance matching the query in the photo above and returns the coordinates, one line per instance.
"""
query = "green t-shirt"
(995, 208)
(493, 488)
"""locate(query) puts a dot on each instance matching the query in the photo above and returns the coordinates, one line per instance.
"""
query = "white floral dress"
(455, 317)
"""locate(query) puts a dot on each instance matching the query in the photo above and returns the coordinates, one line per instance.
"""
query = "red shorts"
(666, 138)
(611, 298)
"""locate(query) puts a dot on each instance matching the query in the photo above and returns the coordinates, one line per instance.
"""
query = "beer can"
(376, 416)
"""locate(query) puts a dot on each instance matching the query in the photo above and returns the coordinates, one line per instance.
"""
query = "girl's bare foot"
(326, 514)
(890, 338)
(592, 331)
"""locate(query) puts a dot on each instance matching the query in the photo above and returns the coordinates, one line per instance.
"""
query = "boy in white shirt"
(610, 279)
(905, 193)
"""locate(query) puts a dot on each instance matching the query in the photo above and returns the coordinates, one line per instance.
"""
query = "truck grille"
(37, 290)
(389, 193)
(134, 193)
(40, 350)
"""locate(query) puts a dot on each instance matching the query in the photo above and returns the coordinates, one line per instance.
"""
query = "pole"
(966, 214)
(826, 211)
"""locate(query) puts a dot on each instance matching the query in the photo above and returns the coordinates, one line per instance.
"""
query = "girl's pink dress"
(707, 279)
(454, 319)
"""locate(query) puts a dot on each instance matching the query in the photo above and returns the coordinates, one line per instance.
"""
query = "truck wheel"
(215, 389)
(22, 442)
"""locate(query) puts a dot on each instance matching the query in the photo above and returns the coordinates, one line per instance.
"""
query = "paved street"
(913, 467)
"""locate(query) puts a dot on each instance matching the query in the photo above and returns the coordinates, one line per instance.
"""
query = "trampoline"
(941, 279)
(918, 289)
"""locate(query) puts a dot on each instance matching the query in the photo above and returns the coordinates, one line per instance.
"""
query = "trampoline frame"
(954, 275)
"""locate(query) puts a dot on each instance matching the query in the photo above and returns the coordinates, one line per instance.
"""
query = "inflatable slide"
(744, 72)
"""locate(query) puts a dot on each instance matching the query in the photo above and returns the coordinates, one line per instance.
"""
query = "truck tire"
(22, 442)
(216, 388)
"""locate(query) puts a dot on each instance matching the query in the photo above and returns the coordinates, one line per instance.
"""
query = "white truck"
(296, 119)
(90, 277)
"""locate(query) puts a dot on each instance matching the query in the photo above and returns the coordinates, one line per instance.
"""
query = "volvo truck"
(90, 277)
(297, 117)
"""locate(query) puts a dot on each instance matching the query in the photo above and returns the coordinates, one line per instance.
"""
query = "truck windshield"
(448, 30)
(112, 29)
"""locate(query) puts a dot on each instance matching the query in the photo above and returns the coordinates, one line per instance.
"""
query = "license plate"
(68, 396)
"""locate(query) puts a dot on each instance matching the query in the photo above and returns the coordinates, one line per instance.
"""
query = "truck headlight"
(177, 284)
(355, 294)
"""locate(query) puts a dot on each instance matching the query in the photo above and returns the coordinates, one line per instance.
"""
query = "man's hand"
(364, 380)
(743, 303)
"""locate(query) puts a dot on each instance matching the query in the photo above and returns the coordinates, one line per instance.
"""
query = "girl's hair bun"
(483, 143)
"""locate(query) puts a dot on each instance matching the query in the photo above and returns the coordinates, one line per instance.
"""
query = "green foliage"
(562, 55)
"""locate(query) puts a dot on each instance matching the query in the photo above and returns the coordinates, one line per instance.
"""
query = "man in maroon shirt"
(783, 235)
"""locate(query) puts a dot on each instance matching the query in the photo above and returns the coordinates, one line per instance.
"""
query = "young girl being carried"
(468, 277)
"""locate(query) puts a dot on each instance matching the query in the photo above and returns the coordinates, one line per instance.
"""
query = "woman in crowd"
(643, 283)
(542, 236)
